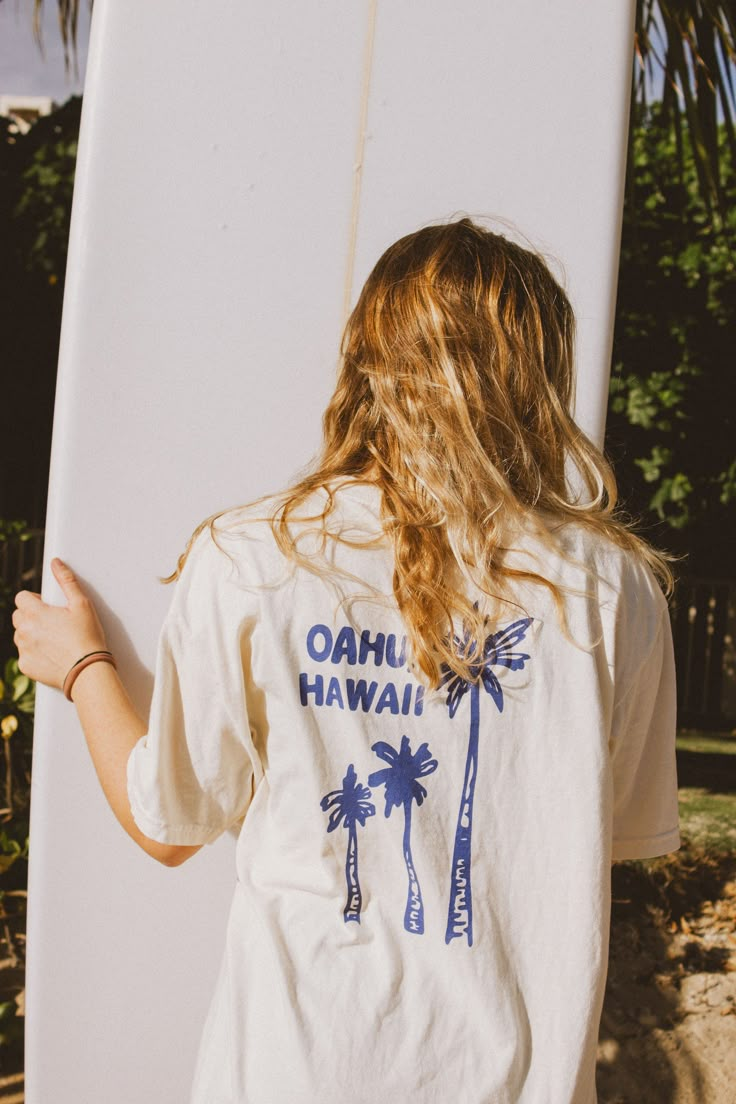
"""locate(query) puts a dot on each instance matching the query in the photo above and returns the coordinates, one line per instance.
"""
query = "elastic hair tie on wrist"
(85, 661)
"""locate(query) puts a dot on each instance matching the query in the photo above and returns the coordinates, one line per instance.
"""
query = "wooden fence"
(703, 613)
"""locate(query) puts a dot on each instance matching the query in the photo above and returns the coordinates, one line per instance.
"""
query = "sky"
(23, 69)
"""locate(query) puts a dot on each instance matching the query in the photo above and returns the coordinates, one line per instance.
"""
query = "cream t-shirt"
(422, 888)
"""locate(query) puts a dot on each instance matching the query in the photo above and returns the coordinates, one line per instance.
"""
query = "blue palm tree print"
(402, 788)
(350, 806)
(496, 651)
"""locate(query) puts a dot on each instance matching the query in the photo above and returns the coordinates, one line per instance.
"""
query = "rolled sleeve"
(192, 775)
(645, 799)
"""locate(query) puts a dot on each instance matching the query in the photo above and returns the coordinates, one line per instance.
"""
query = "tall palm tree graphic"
(495, 652)
(350, 806)
(402, 789)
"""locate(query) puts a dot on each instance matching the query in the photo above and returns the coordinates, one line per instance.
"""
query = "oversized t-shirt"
(421, 905)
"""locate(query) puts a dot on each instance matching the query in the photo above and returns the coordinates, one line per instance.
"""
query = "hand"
(50, 639)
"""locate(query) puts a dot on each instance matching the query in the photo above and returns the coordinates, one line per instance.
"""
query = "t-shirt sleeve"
(645, 805)
(192, 775)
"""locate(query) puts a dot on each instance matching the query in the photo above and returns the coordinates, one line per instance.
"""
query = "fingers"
(51, 638)
(67, 580)
(26, 598)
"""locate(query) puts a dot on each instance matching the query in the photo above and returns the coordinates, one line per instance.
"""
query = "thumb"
(67, 580)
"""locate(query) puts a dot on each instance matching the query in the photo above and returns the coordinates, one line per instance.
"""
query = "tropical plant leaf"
(692, 45)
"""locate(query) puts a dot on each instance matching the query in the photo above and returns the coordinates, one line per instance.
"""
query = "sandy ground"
(668, 1029)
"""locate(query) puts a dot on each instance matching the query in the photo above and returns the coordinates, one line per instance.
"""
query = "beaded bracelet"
(74, 670)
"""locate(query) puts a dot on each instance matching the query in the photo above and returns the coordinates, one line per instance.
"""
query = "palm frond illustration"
(350, 806)
(497, 650)
(402, 788)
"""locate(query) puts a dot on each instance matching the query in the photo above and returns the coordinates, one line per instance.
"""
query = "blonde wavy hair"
(454, 397)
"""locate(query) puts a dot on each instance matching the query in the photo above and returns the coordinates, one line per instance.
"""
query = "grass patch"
(706, 775)
(716, 743)
(708, 820)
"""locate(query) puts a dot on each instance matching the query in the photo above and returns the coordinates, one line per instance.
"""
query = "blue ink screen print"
(350, 806)
(402, 788)
(496, 651)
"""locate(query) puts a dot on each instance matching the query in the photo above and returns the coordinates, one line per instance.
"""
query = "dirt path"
(668, 1030)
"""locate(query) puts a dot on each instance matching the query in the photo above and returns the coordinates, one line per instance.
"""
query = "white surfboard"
(241, 168)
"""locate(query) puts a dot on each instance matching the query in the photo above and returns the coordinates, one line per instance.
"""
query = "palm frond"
(693, 44)
(68, 20)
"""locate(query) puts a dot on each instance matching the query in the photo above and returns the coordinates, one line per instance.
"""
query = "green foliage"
(644, 401)
(17, 705)
(41, 167)
(36, 183)
(694, 42)
(727, 482)
(11, 531)
(671, 422)
(11, 849)
(42, 211)
(17, 691)
(11, 1025)
(17, 699)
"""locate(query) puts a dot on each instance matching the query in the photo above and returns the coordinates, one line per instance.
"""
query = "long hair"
(454, 397)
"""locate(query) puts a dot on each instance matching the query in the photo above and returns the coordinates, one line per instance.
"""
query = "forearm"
(50, 641)
(111, 728)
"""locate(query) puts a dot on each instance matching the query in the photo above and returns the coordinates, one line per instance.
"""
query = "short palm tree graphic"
(402, 788)
(497, 651)
(350, 806)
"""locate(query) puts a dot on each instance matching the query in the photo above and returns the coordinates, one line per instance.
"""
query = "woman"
(432, 626)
